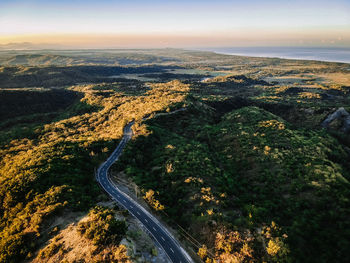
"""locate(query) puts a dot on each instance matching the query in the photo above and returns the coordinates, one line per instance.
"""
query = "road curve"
(171, 246)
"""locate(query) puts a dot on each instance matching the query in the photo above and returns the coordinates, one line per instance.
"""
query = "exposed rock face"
(340, 114)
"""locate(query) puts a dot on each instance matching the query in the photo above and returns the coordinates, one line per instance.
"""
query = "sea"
(330, 54)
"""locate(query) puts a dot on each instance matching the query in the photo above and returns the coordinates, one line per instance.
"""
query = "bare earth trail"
(170, 245)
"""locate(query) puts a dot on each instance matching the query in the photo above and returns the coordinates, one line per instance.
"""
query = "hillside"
(244, 172)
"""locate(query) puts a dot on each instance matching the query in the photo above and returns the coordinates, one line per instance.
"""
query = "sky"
(179, 23)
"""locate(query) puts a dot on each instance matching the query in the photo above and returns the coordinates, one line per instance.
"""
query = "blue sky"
(177, 23)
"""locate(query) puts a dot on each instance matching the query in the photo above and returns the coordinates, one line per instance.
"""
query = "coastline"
(334, 55)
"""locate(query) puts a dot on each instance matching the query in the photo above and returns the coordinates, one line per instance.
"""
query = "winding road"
(170, 245)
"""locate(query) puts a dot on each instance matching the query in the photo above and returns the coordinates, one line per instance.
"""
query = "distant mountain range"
(28, 46)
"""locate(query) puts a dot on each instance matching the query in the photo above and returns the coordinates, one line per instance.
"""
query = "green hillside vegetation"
(244, 167)
(54, 169)
(242, 173)
(90, 57)
(56, 76)
(16, 103)
(26, 110)
(99, 233)
(102, 227)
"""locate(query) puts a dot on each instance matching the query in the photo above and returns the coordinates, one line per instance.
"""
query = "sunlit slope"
(243, 172)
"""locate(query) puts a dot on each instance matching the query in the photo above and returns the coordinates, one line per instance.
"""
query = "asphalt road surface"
(170, 245)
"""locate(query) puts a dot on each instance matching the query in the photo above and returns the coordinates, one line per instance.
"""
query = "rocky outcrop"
(340, 114)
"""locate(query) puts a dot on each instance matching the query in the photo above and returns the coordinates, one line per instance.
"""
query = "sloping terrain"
(53, 170)
(244, 171)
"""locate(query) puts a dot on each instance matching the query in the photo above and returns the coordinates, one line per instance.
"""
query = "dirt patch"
(68, 245)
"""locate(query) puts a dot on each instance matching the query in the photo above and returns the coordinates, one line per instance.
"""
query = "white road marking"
(102, 175)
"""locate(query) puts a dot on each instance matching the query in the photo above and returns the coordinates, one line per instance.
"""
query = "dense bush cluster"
(53, 168)
(266, 245)
(23, 102)
(58, 76)
(247, 170)
(102, 227)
